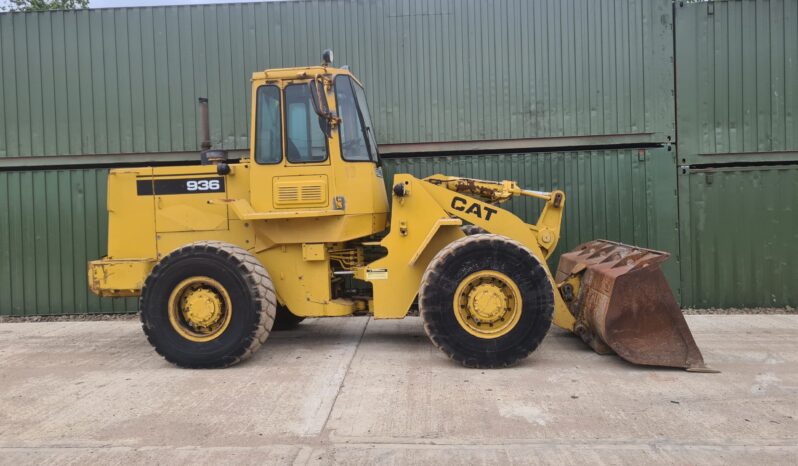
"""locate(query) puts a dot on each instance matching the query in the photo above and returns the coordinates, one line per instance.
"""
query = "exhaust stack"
(205, 125)
(208, 156)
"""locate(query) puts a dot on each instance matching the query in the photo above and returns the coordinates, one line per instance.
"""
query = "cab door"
(291, 165)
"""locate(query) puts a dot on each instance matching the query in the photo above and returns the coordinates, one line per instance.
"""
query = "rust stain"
(625, 306)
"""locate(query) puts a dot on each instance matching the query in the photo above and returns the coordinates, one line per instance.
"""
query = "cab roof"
(301, 72)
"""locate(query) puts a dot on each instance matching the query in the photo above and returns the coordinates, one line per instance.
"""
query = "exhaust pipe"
(208, 156)
(205, 125)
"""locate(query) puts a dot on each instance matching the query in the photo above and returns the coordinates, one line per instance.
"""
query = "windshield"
(355, 131)
(360, 95)
(351, 130)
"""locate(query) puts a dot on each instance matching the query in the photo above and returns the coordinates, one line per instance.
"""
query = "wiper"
(371, 143)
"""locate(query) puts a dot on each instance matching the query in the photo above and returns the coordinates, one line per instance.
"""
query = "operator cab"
(314, 149)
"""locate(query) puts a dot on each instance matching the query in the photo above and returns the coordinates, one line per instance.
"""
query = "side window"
(305, 142)
(268, 126)
(351, 131)
(366, 118)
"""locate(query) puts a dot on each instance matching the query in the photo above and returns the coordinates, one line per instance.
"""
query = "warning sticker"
(376, 274)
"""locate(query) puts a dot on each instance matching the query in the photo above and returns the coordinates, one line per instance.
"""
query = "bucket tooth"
(623, 305)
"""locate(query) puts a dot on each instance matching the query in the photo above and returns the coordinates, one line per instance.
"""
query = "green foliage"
(43, 5)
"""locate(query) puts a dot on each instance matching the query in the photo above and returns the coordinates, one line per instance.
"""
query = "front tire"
(208, 304)
(486, 301)
(469, 230)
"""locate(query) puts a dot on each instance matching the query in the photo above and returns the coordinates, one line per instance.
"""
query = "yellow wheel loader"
(223, 252)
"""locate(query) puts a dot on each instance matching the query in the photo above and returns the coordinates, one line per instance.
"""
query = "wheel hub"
(201, 307)
(487, 304)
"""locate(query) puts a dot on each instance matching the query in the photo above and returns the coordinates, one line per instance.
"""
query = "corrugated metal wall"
(737, 115)
(739, 230)
(126, 80)
(737, 81)
(51, 223)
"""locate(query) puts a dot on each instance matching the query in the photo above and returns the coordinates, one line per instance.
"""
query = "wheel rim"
(487, 304)
(199, 309)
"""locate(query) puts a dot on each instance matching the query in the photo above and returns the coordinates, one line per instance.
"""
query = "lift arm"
(546, 229)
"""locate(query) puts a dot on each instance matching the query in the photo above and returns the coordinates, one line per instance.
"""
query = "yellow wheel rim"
(487, 304)
(199, 309)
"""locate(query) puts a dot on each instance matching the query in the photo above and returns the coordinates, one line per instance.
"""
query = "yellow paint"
(487, 304)
(199, 309)
(131, 218)
(431, 234)
(412, 217)
(118, 277)
(244, 211)
(303, 286)
(314, 252)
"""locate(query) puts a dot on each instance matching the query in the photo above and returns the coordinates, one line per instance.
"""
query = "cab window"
(305, 141)
(365, 116)
(268, 126)
(351, 131)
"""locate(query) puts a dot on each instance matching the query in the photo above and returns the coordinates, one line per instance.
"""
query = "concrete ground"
(360, 391)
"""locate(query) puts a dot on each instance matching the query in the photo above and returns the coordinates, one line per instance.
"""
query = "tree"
(43, 5)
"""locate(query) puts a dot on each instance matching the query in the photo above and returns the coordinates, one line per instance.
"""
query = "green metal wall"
(120, 81)
(51, 223)
(737, 115)
(739, 236)
(737, 81)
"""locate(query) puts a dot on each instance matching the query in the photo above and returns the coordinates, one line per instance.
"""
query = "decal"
(480, 210)
(376, 274)
(149, 187)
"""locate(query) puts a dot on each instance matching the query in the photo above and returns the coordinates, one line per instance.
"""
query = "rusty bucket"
(622, 303)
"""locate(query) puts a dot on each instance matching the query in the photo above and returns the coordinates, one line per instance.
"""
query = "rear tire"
(486, 301)
(208, 304)
(285, 319)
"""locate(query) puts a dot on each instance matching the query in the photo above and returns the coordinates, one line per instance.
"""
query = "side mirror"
(327, 119)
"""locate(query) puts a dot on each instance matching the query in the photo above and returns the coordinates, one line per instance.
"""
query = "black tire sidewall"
(222, 350)
(519, 265)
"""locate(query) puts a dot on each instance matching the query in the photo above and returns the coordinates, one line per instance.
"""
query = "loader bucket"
(623, 304)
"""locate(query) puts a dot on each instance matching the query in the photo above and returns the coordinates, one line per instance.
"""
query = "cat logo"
(481, 211)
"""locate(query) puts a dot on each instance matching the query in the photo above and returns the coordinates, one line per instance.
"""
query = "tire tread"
(259, 283)
(434, 271)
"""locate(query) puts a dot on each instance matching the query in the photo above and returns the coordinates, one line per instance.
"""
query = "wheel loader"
(223, 251)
